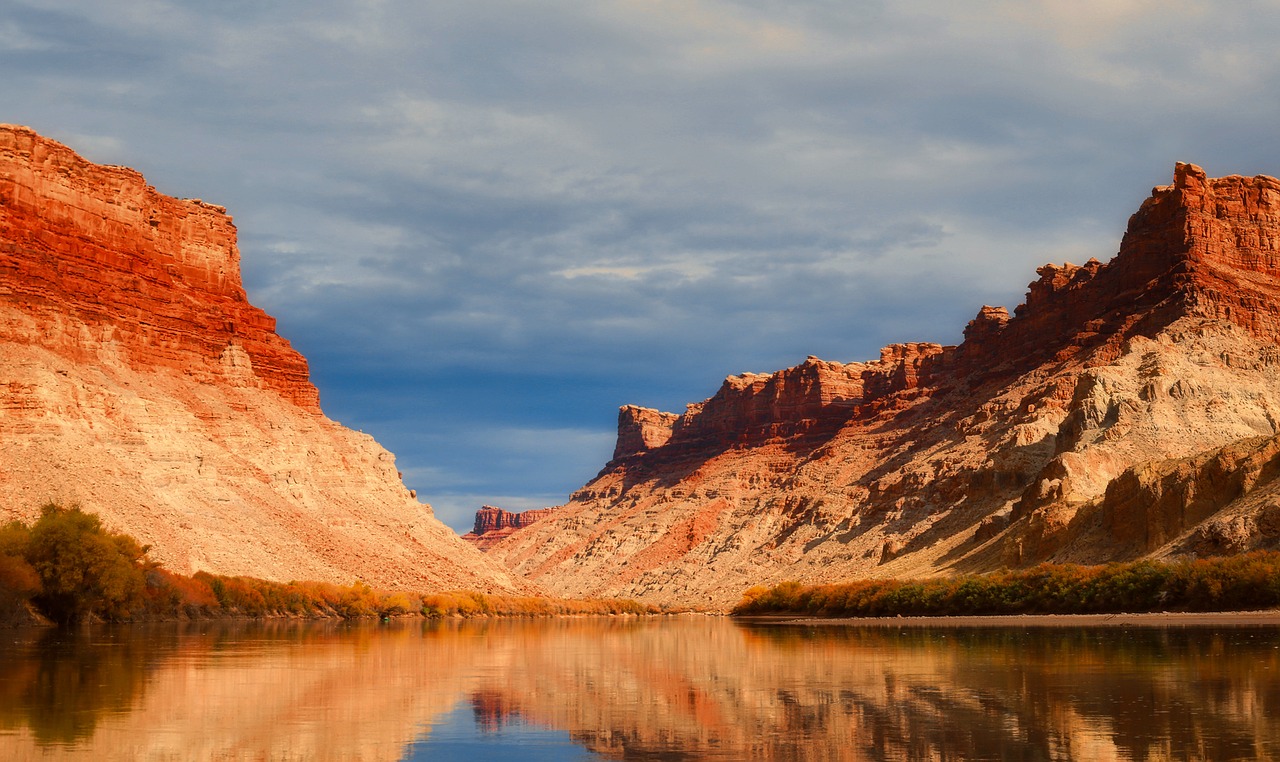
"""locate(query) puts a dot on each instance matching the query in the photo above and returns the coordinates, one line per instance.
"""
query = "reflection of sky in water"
(624, 688)
(459, 736)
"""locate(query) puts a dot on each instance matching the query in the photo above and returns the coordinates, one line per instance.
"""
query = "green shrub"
(18, 579)
(83, 568)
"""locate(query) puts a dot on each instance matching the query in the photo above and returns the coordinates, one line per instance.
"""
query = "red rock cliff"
(811, 399)
(933, 459)
(491, 519)
(156, 276)
(493, 524)
(137, 381)
(1197, 247)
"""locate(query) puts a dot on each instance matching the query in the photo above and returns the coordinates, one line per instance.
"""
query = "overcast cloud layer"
(489, 223)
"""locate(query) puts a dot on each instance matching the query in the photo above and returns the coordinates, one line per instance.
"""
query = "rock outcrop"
(138, 381)
(1011, 448)
(93, 255)
(493, 524)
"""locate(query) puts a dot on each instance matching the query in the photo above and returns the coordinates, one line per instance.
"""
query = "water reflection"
(58, 684)
(1049, 694)
(687, 688)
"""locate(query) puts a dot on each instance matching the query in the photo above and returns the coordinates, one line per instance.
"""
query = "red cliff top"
(154, 276)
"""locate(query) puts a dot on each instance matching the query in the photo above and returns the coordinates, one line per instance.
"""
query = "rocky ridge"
(138, 381)
(1031, 440)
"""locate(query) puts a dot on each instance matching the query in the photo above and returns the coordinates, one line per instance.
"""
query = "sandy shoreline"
(1270, 617)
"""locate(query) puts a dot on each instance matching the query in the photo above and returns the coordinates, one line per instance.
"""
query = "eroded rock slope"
(137, 380)
(1125, 409)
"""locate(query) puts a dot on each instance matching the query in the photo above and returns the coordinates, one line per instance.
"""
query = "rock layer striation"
(493, 524)
(138, 381)
(1053, 432)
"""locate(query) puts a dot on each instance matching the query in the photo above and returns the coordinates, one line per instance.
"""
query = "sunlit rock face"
(94, 258)
(1008, 449)
(137, 380)
(493, 524)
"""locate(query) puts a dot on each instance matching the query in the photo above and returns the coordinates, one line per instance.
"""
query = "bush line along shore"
(67, 568)
(1249, 581)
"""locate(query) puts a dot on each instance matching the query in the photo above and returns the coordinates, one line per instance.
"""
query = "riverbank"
(27, 615)
(1262, 618)
(67, 568)
(1247, 582)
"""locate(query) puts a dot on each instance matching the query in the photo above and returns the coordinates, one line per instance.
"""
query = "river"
(662, 688)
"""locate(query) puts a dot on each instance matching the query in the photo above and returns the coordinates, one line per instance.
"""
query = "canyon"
(1126, 409)
(138, 382)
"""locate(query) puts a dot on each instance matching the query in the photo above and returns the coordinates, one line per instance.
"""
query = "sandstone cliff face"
(93, 255)
(493, 524)
(137, 380)
(936, 459)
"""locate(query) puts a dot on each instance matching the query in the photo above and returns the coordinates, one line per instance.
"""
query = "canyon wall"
(1011, 448)
(137, 381)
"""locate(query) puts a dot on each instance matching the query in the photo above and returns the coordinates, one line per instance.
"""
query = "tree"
(18, 581)
(83, 568)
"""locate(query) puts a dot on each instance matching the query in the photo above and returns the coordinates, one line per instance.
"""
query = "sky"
(489, 223)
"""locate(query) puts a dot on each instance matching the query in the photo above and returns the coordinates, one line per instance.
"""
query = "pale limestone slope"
(228, 480)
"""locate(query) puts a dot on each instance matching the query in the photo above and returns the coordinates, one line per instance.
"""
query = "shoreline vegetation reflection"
(685, 687)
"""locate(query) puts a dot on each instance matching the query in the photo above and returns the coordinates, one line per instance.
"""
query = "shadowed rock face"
(137, 380)
(935, 459)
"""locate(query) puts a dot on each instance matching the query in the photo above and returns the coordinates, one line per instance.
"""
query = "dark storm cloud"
(489, 223)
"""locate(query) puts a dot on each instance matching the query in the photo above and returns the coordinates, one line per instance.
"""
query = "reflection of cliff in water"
(656, 688)
(1106, 693)
(705, 689)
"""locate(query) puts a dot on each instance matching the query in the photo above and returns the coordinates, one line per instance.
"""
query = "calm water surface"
(653, 689)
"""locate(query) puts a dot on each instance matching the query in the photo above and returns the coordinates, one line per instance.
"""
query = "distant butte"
(1126, 409)
(493, 524)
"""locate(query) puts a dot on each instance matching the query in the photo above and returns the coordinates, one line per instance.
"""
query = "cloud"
(14, 37)
(493, 215)
(516, 468)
